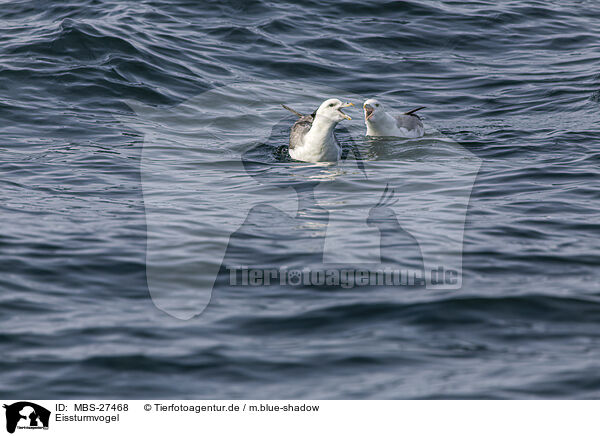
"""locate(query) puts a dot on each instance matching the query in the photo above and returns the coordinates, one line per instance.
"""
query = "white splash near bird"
(312, 137)
(380, 123)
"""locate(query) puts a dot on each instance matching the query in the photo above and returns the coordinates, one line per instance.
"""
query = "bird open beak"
(345, 105)
(369, 111)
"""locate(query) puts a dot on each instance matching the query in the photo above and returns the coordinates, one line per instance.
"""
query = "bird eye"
(377, 105)
(332, 105)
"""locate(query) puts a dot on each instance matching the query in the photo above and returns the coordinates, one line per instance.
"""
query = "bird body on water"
(312, 137)
(381, 123)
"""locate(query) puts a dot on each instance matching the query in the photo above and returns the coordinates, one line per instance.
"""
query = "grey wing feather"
(409, 122)
(299, 129)
(295, 112)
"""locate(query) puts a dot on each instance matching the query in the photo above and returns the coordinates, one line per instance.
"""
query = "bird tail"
(414, 110)
(292, 110)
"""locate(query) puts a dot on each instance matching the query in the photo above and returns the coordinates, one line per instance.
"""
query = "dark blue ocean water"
(103, 101)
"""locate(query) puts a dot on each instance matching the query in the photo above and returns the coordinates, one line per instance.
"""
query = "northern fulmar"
(380, 123)
(312, 137)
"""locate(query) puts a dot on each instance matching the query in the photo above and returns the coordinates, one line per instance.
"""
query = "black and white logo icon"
(26, 415)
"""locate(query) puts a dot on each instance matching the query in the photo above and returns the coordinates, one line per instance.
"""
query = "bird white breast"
(319, 144)
(384, 125)
(374, 129)
(317, 151)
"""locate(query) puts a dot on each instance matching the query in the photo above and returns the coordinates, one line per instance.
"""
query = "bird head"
(371, 107)
(332, 109)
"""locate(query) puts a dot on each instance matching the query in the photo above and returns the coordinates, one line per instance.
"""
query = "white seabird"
(380, 123)
(312, 138)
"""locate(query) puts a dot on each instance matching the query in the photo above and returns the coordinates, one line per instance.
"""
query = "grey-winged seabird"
(380, 123)
(312, 138)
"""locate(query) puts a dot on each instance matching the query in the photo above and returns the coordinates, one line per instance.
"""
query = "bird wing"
(408, 122)
(414, 110)
(295, 112)
(299, 130)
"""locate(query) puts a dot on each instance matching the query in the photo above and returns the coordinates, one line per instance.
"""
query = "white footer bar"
(283, 417)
